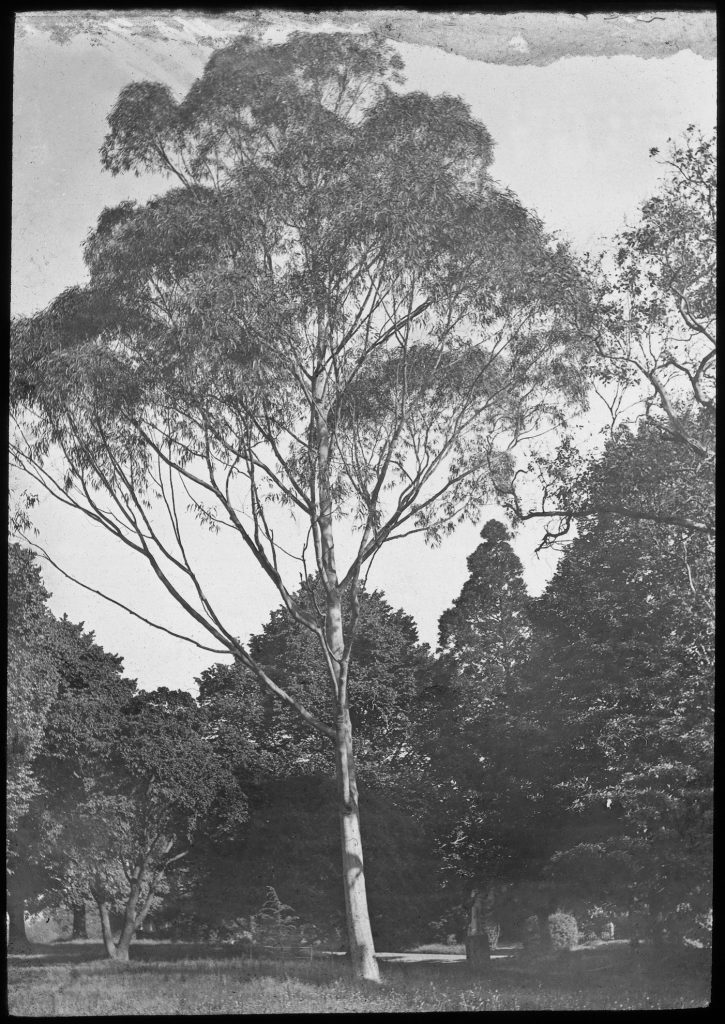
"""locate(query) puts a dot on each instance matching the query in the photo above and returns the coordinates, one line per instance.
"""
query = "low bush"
(563, 931)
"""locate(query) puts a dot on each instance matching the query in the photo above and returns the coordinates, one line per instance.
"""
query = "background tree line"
(557, 749)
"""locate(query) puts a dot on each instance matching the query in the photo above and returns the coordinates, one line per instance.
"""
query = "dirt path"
(502, 953)
(435, 958)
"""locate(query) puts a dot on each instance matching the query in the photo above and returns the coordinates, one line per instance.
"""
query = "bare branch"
(120, 604)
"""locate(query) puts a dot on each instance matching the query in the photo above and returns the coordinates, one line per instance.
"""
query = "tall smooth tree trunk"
(18, 941)
(360, 936)
(359, 932)
(80, 929)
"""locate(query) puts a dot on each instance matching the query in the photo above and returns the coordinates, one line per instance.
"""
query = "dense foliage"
(33, 641)
(626, 653)
(288, 775)
(123, 783)
(486, 745)
(32, 677)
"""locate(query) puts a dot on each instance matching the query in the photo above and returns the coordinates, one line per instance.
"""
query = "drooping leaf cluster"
(667, 267)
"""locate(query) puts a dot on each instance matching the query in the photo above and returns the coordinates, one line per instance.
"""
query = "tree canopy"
(335, 282)
(334, 312)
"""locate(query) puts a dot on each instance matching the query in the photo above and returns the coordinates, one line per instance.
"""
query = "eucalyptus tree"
(663, 326)
(652, 333)
(334, 313)
(130, 784)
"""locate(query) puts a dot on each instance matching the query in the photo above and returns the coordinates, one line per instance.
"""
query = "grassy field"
(72, 979)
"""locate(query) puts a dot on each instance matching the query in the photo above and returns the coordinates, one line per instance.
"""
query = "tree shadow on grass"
(189, 959)
(592, 969)
(42, 954)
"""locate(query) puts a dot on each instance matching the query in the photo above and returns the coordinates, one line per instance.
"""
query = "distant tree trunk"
(482, 929)
(360, 938)
(18, 941)
(80, 930)
(478, 950)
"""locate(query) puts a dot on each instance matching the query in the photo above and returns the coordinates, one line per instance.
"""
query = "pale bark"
(136, 909)
(128, 928)
(106, 931)
(360, 938)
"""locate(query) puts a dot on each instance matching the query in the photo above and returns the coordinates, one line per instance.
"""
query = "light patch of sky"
(572, 139)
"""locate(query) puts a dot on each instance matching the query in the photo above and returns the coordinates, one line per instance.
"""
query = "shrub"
(276, 925)
(563, 930)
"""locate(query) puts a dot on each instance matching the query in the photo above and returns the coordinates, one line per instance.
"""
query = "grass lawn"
(67, 979)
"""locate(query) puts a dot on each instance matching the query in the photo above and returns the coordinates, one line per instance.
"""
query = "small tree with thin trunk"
(154, 788)
(335, 314)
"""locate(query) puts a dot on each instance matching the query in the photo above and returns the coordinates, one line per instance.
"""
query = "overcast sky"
(572, 139)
